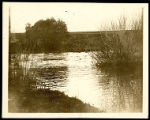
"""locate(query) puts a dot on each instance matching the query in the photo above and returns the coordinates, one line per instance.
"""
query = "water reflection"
(124, 91)
(75, 75)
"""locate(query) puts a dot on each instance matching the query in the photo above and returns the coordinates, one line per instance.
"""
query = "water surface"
(76, 75)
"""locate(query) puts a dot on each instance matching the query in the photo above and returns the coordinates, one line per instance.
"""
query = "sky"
(77, 16)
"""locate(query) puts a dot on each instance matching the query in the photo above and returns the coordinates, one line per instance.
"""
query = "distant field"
(17, 36)
(78, 41)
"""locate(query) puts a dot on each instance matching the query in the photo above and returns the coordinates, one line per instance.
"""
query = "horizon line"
(87, 31)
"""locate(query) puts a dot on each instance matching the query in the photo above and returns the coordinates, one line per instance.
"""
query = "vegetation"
(121, 48)
(52, 36)
(44, 36)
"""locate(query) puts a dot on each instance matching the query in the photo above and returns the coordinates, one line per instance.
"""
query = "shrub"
(119, 45)
(45, 35)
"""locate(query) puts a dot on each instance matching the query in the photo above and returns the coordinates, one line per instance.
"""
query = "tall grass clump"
(121, 45)
(19, 73)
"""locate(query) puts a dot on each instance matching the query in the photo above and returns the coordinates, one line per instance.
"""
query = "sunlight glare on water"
(81, 78)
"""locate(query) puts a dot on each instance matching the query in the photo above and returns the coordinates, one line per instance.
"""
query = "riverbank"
(46, 101)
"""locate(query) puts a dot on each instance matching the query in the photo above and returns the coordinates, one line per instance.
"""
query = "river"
(75, 74)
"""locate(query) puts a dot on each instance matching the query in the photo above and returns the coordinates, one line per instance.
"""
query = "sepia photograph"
(75, 60)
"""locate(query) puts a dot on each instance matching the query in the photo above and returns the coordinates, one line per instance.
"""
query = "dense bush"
(45, 35)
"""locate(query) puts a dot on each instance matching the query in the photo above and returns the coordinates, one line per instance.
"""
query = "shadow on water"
(124, 86)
